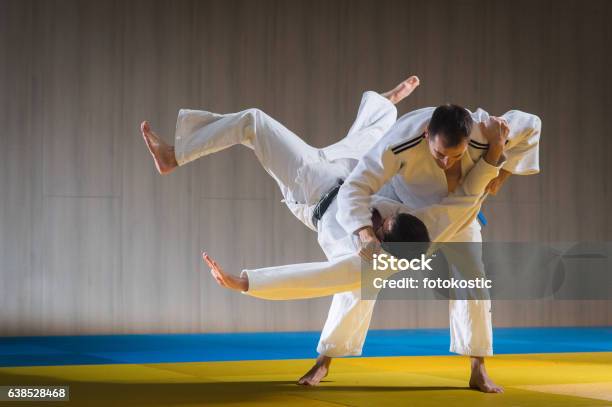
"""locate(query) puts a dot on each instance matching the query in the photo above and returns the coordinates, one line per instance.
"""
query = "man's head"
(401, 227)
(448, 134)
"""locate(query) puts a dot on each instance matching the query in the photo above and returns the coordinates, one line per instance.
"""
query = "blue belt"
(482, 219)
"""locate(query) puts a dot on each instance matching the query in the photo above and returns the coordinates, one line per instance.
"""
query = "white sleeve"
(523, 153)
(305, 280)
(522, 149)
(375, 168)
(479, 177)
(371, 173)
(457, 211)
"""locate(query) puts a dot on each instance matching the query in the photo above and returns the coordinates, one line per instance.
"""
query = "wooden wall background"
(92, 240)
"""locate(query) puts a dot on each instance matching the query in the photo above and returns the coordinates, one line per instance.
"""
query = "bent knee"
(256, 115)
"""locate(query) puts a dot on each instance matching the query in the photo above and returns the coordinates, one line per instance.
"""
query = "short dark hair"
(406, 228)
(452, 122)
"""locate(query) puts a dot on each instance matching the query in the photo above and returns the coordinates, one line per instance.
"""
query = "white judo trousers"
(303, 173)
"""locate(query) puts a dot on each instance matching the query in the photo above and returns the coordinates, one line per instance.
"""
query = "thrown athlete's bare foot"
(317, 372)
(224, 279)
(163, 154)
(402, 90)
(480, 380)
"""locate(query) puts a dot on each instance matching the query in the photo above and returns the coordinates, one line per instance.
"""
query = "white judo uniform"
(303, 173)
(401, 166)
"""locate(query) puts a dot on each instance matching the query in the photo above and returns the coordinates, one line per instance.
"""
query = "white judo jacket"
(401, 159)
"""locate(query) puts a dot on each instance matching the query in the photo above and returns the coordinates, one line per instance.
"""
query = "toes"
(304, 382)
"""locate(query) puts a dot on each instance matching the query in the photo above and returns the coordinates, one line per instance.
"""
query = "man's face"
(445, 157)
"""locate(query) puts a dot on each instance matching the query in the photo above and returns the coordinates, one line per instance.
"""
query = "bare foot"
(402, 90)
(163, 154)
(480, 380)
(224, 279)
(317, 372)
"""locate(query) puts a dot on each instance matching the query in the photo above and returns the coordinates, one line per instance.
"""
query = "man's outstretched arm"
(292, 281)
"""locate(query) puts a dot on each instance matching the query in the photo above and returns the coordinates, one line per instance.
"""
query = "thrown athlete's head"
(400, 227)
(448, 134)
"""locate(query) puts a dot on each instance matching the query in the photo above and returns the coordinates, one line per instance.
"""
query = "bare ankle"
(323, 360)
(477, 363)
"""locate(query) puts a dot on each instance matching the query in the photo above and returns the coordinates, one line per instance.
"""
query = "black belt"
(324, 203)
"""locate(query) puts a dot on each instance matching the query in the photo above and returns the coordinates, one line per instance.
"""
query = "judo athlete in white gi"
(420, 161)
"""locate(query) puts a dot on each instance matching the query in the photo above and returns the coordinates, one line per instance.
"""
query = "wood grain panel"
(81, 89)
(21, 200)
(81, 276)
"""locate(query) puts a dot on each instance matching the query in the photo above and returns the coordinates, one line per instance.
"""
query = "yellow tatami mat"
(568, 379)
